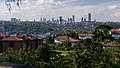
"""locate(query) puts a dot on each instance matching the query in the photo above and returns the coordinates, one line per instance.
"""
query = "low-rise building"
(18, 41)
(110, 46)
(115, 33)
(85, 36)
(13, 42)
(74, 42)
(61, 39)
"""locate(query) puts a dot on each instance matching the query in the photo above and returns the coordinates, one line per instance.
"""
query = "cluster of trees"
(89, 54)
(42, 27)
(46, 56)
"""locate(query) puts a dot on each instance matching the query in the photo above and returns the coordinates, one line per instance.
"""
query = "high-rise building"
(82, 19)
(44, 19)
(53, 20)
(73, 18)
(68, 19)
(89, 17)
(60, 19)
(41, 19)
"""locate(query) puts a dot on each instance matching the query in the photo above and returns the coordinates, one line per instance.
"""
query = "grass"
(63, 53)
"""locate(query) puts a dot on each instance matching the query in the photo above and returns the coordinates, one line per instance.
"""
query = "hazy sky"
(102, 10)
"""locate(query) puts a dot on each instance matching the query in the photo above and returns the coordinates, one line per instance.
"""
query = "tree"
(102, 31)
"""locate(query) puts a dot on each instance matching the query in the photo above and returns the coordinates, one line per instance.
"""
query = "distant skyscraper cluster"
(61, 20)
(89, 18)
(15, 20)
(71, 19)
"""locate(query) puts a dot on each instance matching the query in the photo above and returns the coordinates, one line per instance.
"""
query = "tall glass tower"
(89, 17)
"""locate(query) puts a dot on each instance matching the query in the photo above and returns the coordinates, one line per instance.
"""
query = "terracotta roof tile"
(35, 37)
(109, 44)
(87, 34)
(3, 34)
(62, 37)
(12, 38)
(73, 40)
(116, 31)
(27, 38)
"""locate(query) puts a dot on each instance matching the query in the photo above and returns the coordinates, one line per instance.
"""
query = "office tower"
(44, 20)
(13, 19)
(41, 19)
(89, 17)
(73, 18)
(68, 19)
(60, 19)
(82, 19)
(57, 20)
(53, 20)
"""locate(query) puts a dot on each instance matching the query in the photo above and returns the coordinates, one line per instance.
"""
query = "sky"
(102, 10)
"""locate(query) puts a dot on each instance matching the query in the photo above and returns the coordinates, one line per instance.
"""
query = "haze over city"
(103, 10)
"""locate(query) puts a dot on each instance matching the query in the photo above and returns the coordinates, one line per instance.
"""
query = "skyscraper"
(61, 19)
(41, 19)
(73, 18)
(53, 20)
(82, 19)
(89, 17)
(68, 19)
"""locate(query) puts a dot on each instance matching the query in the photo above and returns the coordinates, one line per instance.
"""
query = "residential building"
(115, 33)
(85, 36)
(13, 42)
(18, 41)
(110, 46)
(61, 39)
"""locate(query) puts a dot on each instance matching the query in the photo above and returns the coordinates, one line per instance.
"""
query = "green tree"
(102, 31)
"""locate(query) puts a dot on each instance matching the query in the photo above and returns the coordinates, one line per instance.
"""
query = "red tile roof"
(87, 34)
(27, 38)
(109, 44)
(3, 35)
(116, 31)
(62, 37)
(12, 38)
(73, 40)
(35, 37)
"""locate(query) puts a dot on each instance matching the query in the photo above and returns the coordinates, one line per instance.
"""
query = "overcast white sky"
(102, 10)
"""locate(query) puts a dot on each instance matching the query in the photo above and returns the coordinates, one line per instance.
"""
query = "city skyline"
(103, 10)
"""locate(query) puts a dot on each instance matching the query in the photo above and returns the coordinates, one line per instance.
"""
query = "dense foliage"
(58, 56)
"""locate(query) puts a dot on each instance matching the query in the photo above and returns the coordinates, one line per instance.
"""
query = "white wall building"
(85, 36)
(115, 33)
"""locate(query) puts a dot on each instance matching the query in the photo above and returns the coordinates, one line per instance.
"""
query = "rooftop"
(35, 37)
(3, 35)
(109, 44)
(73, 40)
(62, 37)
(117, 31)
(12, 38)
(87, 34)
